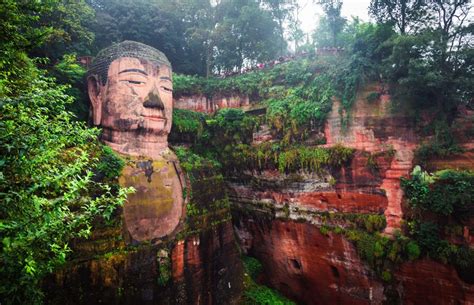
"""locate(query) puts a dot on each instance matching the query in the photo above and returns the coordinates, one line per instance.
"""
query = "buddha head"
(130, 88)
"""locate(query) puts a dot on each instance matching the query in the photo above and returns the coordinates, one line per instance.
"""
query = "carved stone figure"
(130, 88)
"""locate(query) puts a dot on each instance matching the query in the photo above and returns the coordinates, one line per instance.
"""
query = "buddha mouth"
(155, 117)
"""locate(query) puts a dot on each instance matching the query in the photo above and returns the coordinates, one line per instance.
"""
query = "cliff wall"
(282, 219)
(201, 103)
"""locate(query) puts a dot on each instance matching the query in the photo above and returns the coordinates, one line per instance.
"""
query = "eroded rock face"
(353, 188)
(202, 269)
(314, 268)
(201, 103)
(376, 127)
(278, 217)
(428, 282)
(308, 266)
(197, 264)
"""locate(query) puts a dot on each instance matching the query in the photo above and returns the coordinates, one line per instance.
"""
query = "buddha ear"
(94, 90)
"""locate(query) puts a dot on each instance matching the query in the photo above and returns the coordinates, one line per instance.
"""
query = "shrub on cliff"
(446, 192)
(255, 294)
(47, 188)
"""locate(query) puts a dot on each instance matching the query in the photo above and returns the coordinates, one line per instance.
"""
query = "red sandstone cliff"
(278, 216)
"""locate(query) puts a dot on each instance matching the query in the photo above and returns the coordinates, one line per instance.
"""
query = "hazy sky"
(310, 12)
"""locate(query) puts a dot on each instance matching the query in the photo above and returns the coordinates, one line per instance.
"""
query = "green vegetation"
(258, 294)
(298, 94)
(68, 72)
(441, 145)
(164, 267)
(291, 159)
(110, 164)
(188, 126)
(440, 201)
(446, 192)
(54, 185)
(198, 37)
(383, 253)
(192, 162)
(47, 185)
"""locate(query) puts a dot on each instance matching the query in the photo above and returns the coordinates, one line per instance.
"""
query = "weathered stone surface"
(354, 188)
(204, 269)
(199, 103)
(428, 282)
(204, 104)
(313, 268)
(375, 127)
(308, 266)
(134, 107)
(155, 209)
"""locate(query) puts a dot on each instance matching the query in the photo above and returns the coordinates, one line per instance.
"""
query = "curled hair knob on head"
(101, 63)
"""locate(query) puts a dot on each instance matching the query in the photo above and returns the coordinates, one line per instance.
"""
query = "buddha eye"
(134, 82)
(167, 89)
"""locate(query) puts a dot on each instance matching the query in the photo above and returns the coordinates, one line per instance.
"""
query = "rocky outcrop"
(201, 103)
(428, 282)
(315, 268)
(306, 265)
(372, 127)
(280, 218)
(201, 269)
(352, 188)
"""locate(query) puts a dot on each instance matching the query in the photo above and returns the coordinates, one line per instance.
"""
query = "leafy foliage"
(47, 187)
(190, 161)
(67, 71)
(442, 144)
(446, 192)
(258, 294)
(428, 236)
(290, 159)
(383, 253)
(298, 94)
(18, 35)
(187, 125)
(110, 164)
(197, 37)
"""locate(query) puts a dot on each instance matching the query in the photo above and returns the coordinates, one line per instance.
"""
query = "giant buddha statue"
(130, 88)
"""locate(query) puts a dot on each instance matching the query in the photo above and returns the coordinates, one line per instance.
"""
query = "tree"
(47, 188)
(143, 21)
(245, 33)
(281, 12)
(18, 36)
(405, 15)
(431, 67)
(333, 21)
(69, 22)
(49, 164)
(295, 33)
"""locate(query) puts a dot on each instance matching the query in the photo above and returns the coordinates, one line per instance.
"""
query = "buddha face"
(136, 97)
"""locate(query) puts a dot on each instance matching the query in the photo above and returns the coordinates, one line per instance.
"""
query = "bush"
(47, 189)
(442, 145)
(255, 294)
(110, 164)
(446, 192)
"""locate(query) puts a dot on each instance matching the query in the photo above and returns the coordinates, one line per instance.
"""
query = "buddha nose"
(153, 100)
